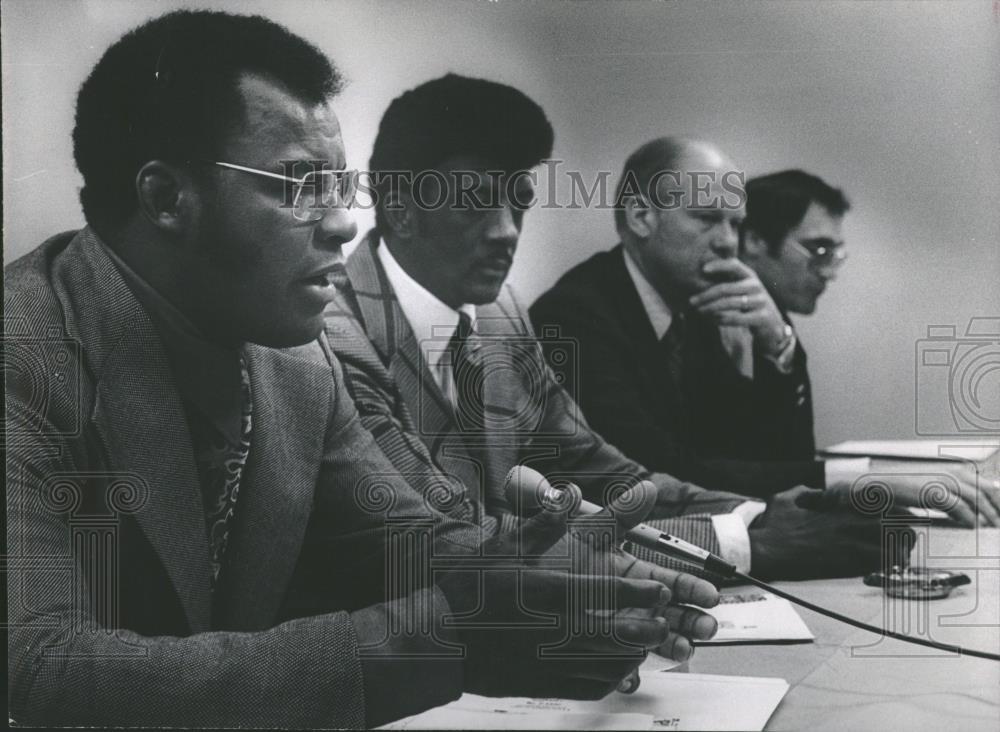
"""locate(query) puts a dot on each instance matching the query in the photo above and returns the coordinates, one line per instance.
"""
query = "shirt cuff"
(843, 472)
(734, 538)
(784, 361)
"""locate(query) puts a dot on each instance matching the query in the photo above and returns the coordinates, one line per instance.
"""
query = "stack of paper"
(664, 700)
(954, 448)
(755, 616)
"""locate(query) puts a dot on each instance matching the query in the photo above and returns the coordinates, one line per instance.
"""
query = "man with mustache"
(446, 371)
(197, 520)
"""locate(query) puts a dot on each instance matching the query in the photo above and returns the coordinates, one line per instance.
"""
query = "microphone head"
(529, 492)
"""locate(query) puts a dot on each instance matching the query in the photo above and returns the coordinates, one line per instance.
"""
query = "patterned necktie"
(228, 461)
(468, 375)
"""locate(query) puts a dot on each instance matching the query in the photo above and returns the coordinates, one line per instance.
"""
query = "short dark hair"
(777, 202)
(663, 153)
(457, 115)
(167, 90)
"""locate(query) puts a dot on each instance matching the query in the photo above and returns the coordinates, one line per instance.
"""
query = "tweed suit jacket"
(111, 613)
(719, 428)
(530, 418)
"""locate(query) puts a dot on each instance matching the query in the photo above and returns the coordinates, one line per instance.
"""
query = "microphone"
(529, 492)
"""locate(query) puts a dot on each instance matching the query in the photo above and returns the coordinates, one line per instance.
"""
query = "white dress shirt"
(433, 323)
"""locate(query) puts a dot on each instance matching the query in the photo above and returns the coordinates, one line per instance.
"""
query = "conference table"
(850, 679)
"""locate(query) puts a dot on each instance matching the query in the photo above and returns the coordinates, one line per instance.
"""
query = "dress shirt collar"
(433, 323)
(207, 375)
(660, 314)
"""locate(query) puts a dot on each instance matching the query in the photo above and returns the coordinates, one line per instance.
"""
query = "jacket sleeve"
(70, 664)
(577, 453)
(608, 388)
(786, 399)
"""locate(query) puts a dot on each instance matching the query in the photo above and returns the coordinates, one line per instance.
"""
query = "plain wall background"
(899, 103)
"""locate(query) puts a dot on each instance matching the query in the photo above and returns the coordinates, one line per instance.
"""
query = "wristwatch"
(785, 351)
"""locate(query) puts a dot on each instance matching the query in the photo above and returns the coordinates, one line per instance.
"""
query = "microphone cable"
(529, 488)
(864, 626)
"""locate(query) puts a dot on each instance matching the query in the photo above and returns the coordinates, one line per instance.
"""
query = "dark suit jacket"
(721, 430)
(110, 604)
(531, 418)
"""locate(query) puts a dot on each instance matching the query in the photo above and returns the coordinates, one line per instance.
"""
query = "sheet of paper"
(499, 717)
(679, 701)
(664, 700)
(755, 616)
(956, 448)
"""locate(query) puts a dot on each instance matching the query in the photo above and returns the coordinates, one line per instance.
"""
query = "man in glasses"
(448, 375)
(792, 236)
(197, 520)
(688, 362)
(792, 239)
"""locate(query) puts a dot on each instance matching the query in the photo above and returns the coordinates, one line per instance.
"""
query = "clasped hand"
(740, 298)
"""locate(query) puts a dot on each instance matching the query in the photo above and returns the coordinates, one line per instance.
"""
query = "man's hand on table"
(635, 608)
(969, 492)
(806, 534)
(686, 623)
(978, 495)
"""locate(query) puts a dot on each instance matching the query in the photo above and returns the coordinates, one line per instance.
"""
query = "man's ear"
(166, 195)
(400, 214)
(639, 217)
(753, 245)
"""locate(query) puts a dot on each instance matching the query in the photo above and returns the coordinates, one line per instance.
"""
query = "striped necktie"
(468, 376)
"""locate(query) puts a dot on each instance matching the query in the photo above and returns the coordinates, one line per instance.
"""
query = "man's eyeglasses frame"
(823, 257)
(343, 182)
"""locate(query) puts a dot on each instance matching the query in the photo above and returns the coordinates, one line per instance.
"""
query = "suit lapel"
(634, 321)
(506, 391)
(389, 331)
(649, 353)
(632, 314)
(276, 491)
(380, 314)
(141, 422)
(437, 423)
(139, 417)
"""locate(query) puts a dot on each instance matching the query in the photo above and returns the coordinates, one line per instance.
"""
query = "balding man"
(681, 346)
(686, 363)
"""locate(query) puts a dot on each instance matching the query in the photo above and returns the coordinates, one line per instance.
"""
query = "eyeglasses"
(314, 192)
(823, 257)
